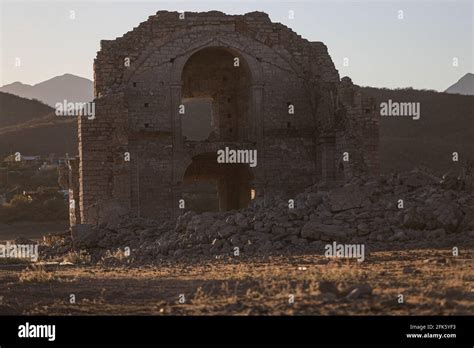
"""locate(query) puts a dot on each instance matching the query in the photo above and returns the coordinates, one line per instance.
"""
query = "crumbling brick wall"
(140, 87)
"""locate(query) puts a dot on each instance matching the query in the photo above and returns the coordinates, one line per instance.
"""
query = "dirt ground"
(432, 282)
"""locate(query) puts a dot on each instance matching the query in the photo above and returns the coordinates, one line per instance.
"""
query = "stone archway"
(223, 79)
(210, 186)
(244, 127)
(254, 130)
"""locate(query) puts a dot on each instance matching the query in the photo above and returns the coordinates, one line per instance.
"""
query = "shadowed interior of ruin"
(197, 124)
(216, 94)
(211, 186)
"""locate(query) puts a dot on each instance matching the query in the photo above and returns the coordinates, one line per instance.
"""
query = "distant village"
(30, 179)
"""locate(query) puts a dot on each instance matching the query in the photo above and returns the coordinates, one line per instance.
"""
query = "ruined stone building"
(173, 91)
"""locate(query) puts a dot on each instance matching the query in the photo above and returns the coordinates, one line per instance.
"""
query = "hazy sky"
(383, 50)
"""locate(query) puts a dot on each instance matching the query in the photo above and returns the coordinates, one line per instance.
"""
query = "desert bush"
(78, 257)
(36, 274)
(47, 205)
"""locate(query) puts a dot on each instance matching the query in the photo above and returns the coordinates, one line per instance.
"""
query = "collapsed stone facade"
(172, 92)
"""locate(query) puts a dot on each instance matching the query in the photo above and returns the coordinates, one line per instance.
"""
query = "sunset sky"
(383, 50)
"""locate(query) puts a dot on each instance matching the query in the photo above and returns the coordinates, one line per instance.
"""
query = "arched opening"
(215, 94)
(212, 186)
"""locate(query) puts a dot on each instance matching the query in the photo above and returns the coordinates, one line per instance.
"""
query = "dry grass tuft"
(36, 274)
(81, 257)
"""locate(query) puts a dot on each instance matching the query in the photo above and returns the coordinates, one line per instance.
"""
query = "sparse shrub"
(46, 205)
(78, 257)
(36, 274)
(114, 258)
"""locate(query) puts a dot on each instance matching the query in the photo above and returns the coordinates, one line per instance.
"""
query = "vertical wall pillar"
(176, 190)
(257, 134)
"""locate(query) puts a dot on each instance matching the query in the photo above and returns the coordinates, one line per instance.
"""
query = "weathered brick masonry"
(174, 61)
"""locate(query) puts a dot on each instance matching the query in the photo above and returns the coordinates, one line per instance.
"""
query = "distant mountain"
(58, 137)
(32, 128)
(66, 87)
(15, 110)
(465, 85)
(444, 127)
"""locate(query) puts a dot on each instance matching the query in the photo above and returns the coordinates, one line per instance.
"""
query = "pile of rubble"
(409, 209)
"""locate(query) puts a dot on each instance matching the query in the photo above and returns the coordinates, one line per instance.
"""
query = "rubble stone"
(432, 214)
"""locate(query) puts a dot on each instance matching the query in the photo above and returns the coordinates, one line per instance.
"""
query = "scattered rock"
(398, 236)
(359, 291)
(311, 231)
(347, 197)
(84, 236)
(357, 212)
(326, 286)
